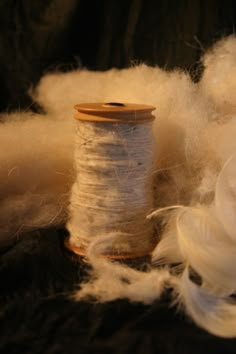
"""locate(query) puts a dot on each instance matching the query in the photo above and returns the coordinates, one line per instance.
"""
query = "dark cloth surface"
(38, 314)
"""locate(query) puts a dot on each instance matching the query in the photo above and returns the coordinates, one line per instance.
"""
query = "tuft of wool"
(215, 313)
(225, 198)
(204, 236)
(35, 172)
(110, 281)
(218, 81)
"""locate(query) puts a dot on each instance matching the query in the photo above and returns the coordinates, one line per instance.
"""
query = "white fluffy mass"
(195, 178)
(35, 172)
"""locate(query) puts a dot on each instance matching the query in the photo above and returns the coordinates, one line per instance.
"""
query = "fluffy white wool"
(195, 135)
(207, 241)
(35, 172)
(121, 281)
(218, 81)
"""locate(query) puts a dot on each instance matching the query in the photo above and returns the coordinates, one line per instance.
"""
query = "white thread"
(112, 193)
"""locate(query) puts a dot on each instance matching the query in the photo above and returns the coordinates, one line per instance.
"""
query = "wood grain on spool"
(114, 112)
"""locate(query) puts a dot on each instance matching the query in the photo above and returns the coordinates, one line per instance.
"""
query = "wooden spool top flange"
(114, 112)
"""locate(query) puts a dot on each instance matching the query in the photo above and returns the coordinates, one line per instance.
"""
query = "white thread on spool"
(112, 194)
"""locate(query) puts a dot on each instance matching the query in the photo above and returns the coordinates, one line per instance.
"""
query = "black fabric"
(39, 36)
(38, 314)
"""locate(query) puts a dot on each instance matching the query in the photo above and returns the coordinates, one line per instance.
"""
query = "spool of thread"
(113, 190)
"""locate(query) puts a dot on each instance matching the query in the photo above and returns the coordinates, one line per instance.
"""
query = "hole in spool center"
(114, 104)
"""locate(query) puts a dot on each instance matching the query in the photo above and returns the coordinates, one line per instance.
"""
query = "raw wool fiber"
(35, 172)
(218, 80)
(195, 140)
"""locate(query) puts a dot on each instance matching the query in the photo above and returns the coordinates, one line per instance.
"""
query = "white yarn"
(113, 193)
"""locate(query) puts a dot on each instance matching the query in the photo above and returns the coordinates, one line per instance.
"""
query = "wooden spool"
(112, 112)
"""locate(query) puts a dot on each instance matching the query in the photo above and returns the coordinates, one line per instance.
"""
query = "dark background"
(36, 276)
(37, 36)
